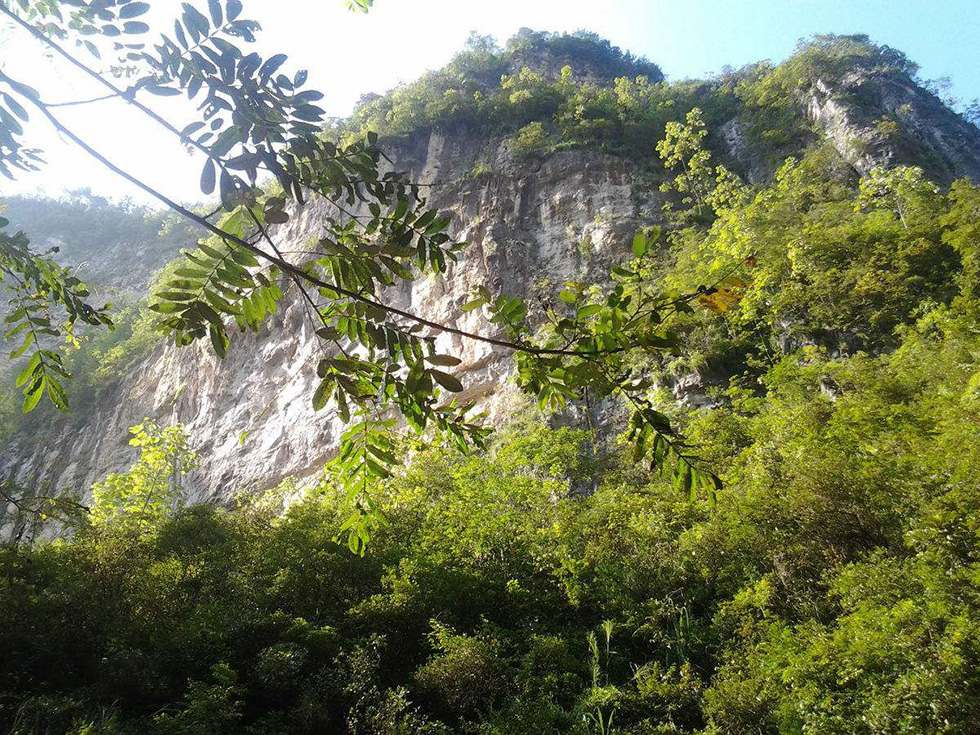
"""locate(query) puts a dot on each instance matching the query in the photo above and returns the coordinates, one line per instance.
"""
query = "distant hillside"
(114, 245)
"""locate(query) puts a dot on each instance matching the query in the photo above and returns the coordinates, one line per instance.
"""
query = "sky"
(348, 54)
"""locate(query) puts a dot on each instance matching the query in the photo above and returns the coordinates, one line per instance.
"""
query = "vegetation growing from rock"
(128, 249)
(599, 99)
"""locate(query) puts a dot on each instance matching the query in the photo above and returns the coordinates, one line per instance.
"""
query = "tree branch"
(88, 101)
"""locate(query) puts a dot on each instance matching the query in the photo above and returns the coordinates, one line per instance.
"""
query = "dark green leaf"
(31, 398)
(443, 360)
(219, 340)
(272, 64)
(207, 177)
(161, 91)
(447, 381)
(15, 107)
(132, 10)
(214, 7)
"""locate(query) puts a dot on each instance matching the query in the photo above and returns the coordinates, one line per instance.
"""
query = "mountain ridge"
(561, 209)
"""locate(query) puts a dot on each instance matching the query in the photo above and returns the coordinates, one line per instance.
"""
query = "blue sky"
(691, 37)
(348, 54)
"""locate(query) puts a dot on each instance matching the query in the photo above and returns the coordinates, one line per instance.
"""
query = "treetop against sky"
(688, 39)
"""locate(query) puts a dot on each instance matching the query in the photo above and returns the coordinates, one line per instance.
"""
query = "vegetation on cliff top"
(548, 98)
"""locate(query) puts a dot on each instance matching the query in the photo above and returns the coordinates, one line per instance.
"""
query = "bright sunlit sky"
(350, 53)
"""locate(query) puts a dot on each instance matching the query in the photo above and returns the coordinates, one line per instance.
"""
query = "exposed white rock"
(516, 221)
(850, 115)
(569, 216)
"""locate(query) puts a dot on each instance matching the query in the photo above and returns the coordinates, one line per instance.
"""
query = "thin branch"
(24, 500)
(89, 101)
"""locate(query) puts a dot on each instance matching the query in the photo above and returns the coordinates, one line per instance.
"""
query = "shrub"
(531, 140)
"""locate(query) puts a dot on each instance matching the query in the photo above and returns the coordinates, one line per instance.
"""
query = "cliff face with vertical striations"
(569, 215)
(850, 115)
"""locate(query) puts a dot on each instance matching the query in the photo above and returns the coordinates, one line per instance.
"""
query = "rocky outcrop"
(881, 118)
(249, 416)
(567, 216)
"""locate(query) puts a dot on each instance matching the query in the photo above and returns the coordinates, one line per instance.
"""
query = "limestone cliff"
(567, 215)
(886, 119)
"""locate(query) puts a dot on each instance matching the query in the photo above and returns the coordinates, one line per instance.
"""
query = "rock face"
(569, 216)
(115, 245)
(886, 119)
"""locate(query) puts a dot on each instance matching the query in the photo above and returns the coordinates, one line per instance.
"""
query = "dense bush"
(770, 93)
(576, 88)
(819, 258)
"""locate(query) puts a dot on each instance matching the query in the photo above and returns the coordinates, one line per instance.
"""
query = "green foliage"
(818, 261)
(961, 231)
(121, 245)
(464, 672)
(832, 586)
(41, 295)
(830, 56)
(151, 490)
(255, 118)
(481, 170)
(883, 648)
(553, 584)
(96, 360)
(698, 185)
(771, 94)
(31, 511)
(583, 94)
(215, 281)
(531, 140)
(600, 97)
(582, 48)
